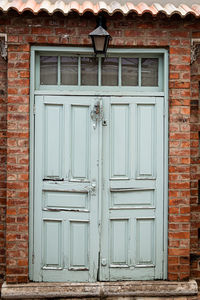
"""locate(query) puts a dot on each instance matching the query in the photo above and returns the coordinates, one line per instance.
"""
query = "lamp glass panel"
(89, 71)
(69, 70)
(109, 71)
(99, 42)
(149, 76)
(48, 70)
(130, 71)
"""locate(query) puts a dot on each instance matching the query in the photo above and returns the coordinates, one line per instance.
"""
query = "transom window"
(128, 71)
(110, 71)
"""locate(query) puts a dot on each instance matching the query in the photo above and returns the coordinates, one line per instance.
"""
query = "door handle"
(92, 188)
(96, 113)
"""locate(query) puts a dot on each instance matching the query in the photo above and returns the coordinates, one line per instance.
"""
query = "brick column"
(3, 129)
(17, 163)
(179, 156)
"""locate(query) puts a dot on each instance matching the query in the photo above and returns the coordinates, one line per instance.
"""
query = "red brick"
(41, 30)
(179, 235)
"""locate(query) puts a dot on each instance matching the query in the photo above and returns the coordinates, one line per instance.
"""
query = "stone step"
(121, 290)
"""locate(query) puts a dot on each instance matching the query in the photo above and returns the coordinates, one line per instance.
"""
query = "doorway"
(98, 187)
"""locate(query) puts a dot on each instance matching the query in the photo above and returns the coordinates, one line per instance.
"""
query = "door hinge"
(34, 109)
(33, 258)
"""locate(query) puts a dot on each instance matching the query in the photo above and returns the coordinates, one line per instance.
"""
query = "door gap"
(98, 270)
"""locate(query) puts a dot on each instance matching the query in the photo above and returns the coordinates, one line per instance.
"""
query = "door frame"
(97, 92)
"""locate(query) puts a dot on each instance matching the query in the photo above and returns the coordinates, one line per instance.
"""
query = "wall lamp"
(100, 37)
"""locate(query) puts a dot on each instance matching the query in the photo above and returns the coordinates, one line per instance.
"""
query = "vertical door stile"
(94, 238)
(67, 147)
(39, 116)
(100, 178)
(160, 184)
(104, 242)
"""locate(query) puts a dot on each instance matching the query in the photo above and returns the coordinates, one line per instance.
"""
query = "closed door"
(132, 193)
(98, 209)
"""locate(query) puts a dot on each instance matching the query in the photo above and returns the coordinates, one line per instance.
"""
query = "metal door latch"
(92, 188)
(103, 262)
(96, 114)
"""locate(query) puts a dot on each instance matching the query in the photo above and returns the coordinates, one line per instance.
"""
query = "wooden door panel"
(145, 242)
(53, 140)
(119, 140)
(79, 244)
(131, 244)
(119, 240)
(132, 198)
(146, 143)
(80, 142)
(52, 247)
(66, 198)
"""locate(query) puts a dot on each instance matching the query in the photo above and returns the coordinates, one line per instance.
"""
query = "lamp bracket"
(3, 45)
(195, 49)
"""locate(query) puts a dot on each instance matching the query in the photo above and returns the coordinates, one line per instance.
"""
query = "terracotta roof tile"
(66, 6)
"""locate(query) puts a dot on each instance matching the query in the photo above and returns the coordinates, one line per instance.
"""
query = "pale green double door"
(98, 191)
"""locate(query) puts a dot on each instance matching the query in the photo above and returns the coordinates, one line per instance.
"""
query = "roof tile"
(51, 6)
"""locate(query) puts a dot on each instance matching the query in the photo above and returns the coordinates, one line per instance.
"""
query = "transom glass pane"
(149, 72)
(69, 70)
(89, 71)
(48, 70)
(109, 71)
(130, 71)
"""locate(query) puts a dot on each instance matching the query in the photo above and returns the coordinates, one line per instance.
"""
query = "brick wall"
(3, 117)
(131, 31)
(195, 167)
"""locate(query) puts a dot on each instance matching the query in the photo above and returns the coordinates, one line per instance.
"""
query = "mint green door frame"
(98, 91)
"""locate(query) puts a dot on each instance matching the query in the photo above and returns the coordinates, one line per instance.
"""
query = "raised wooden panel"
(119, 242)
(53, 140)
(65, 200)
(79, 244)
(132, 198)
(52, 243)
(80, 150)
(145, 236)
(146, 140)
(119, 140)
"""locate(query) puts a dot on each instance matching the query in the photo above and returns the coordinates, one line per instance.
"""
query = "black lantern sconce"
(100, 37)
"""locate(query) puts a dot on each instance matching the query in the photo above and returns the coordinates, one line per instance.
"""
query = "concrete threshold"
(99, 290)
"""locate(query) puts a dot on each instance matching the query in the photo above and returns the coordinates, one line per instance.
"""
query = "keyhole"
(97, 109)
